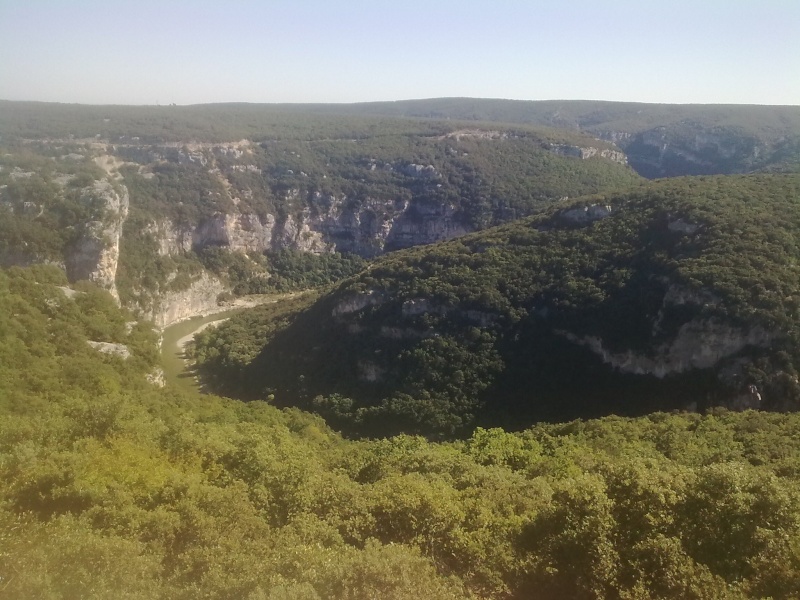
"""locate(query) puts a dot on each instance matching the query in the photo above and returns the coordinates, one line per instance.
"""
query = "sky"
(202, 51)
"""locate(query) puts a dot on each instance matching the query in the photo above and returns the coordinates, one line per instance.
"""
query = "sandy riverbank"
(181, 343)
(237, 304)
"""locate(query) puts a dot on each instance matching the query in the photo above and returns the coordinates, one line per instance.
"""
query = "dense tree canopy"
(114, 487)
(187, 170)
(493, 327)
(660, 139)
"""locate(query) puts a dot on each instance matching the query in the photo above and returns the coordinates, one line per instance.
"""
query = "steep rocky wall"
(96, 254)
(670, 152)
(698, 345)
(329, 224)
(586, 152)
(199, 298)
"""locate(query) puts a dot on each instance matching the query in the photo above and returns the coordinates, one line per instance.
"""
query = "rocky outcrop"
(424, 223)
(615, 137)
(328, 224)
(586, 152)
(298, 234)
(172, 238)
(96, 254)
(586, 214)
(357, 302)
(699, 344)
(199, 298)
(476, 134)
(244, 233)
(176, 152)
(421, 306)
(681, 149)
(120, 350)
(156, 377)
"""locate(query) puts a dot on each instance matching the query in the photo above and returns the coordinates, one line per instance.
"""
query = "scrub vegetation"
(485, 329)
(112, 487)
(460, 420)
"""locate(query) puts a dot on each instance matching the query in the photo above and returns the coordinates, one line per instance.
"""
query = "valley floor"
(177, 336)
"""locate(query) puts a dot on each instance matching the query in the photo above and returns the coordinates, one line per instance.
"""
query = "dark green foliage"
(45, 203)
(111, 487)
(431, 339)
(661, 140)
(279, 271)
(293, 270)
(184, 194)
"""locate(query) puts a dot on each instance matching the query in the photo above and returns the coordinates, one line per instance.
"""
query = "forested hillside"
(551, 407)
(678, 294)
(661, 140)
(111, 487)
(143, 198)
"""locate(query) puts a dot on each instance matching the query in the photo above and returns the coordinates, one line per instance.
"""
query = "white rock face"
(329, 224)
(585, 153)
(172, 239)
(69, 292)
(242, 232)
(586, 214)
(156, 377)
(615, 136)
(424, 225)
(699, 344)
(357, 302)
(120, 350)
(298, 235)
(199, 298)
(96, 255)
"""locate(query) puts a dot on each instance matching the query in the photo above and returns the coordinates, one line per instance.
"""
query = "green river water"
(176, 371)
(172, 357)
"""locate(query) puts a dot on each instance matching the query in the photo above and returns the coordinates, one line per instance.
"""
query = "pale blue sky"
(163, 51)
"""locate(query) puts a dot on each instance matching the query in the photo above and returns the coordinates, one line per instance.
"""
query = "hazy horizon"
(399, 100)
(311, 52)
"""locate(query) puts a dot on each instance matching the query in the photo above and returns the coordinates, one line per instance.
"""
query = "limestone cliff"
(586, 152)
(96, 253)
(699, 344)
(688, 149)
(328, 224)
(199, 298)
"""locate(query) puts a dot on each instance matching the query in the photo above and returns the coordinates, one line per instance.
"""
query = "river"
(173, 341)
(176, 336)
